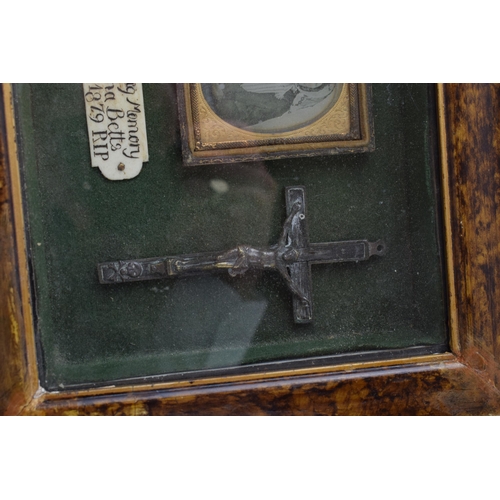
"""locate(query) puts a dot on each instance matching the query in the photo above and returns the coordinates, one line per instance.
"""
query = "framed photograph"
(236, 122)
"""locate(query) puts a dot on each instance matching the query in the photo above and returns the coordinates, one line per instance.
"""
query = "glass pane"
(92, 333)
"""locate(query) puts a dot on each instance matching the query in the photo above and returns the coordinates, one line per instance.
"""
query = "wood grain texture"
(473, 115)
(465, 383)
(427, 389)
(15, 387)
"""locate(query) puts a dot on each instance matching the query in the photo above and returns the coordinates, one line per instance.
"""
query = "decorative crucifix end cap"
(377, 247)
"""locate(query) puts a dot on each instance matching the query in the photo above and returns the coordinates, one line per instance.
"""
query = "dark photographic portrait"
(271, 107)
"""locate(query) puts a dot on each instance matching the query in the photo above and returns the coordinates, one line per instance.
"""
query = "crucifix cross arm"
(292, 257)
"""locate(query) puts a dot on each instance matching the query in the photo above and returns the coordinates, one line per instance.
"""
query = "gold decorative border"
(447, 230)
(212, 132)
(14, 170)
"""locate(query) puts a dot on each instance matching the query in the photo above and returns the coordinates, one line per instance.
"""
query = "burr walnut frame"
(465, 380)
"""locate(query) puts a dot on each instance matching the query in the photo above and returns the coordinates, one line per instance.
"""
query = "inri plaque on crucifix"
(292, 257)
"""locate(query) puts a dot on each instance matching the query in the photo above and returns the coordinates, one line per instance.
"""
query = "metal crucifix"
(292, 257)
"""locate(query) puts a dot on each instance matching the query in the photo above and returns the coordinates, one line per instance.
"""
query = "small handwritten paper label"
(117, 128)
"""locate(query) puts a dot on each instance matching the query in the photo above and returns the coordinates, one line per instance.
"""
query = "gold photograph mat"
(345, 125)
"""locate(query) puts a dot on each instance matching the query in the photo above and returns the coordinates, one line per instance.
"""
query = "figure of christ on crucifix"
(240, 259)
(292, 257)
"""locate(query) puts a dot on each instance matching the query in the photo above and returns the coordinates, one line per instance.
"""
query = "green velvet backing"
(92, 333)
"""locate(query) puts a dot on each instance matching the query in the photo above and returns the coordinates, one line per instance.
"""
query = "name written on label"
(117, 128)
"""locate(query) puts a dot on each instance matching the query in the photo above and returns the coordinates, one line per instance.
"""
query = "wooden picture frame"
(219, 128)
(464, 380)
